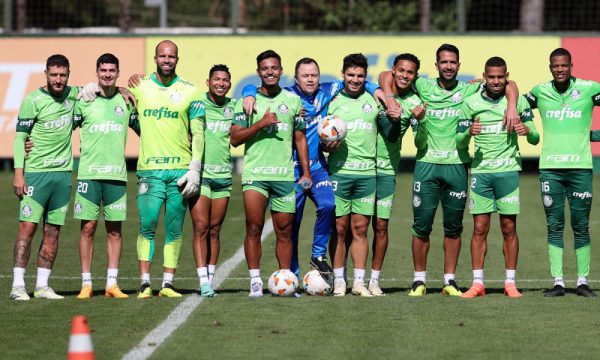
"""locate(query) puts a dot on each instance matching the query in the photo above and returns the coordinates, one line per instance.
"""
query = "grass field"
(234, 326)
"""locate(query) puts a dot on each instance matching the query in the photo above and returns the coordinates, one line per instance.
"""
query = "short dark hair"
(495, 61)
(560, 52)
(57, 60)
(447, 47)
(305, 61)
(355, 60)
(218, 67)
(408, 57)
(267, 54)
(107, 58)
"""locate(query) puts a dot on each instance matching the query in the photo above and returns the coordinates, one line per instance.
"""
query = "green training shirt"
(168, 114)
(441, 118)
(496, 150)
(268, 155)
(104, 124)
(217, 154)
(356, 154)
(48, 121)
(566, 122)
(388, 152)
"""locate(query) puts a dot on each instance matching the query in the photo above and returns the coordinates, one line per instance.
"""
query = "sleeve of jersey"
(371, 87)
(239, 116)
(329, 90)
(197, 116)
(462, 128)
(249, 90)
(77, 116)
(299, 123)
(531, 98)
(389, 129)
(134, 122)
(19, 150)
(27, 115)
(595, 135)
(421, 85)
(596, 93)
(472, 89)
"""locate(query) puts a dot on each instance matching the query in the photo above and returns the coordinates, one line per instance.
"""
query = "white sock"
(255, 276)
(420, 276)
(375, 276)
(203, 275)
(581, 280)
(447, 278)
(42, 278)
(111, 277)
(510, 276)
(559, 281)
(211, 272)
(338, 274)
(478, 276)
(167, 279)
(359, 277)
(146, 278)
(18, 276)
(86, 279)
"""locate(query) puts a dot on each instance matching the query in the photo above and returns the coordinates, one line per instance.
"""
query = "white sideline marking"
(179, 315)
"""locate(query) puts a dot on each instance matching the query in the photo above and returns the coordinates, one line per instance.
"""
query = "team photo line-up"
(185, 163)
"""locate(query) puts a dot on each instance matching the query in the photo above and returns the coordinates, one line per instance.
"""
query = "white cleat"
(361, 290)
(339, 287)
(256, 289)
(374, 289)
(46, 293)
(19, 293)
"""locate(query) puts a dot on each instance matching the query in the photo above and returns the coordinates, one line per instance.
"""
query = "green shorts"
(93, 193)
(492, 192)
(48, 195)
(384, 196)
(354, 194)
(216, 188)
(281, 194)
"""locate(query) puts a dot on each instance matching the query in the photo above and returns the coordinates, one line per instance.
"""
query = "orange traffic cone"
(80, 342)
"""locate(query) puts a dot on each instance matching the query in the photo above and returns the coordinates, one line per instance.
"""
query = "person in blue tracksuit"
(315, 99)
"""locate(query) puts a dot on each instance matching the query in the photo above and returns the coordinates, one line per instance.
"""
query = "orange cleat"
(477, 289)
(510, 290)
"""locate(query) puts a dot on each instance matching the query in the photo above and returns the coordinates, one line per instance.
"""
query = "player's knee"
(480, 230)
(381, 227)
(254, 229)
(215, 230)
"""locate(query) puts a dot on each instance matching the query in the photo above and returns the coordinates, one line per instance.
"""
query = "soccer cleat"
(19, 293)
(361, 290)
(206, 290)
(115, 291)
(477, 289)
(86, 292)
(169, 291)
(256, 289)
(374, 289)
(585, 291)
(418, 289)
(321, 265)
(145, 291)
(451, 289)
(510, 290)
(46, 293)
(339, 288)
(557, 290)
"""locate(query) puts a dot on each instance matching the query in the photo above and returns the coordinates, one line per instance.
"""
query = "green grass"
(234, 326)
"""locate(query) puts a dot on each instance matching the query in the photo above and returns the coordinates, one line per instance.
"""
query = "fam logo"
(283, 109)
(228, 112)
(416, 201)
(547, 199)
(142, 188)
(119, 111)
(78, 208)
(367, 108)
(575, 94)
(457, 97)
(175, 97)
(26, 211)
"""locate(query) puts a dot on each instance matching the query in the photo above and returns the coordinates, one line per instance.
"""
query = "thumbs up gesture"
(419, 111)
(268, 119)
(475, 127)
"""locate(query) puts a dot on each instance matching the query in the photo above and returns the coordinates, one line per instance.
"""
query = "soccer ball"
(331, 128)
(314, 284)
(283, 283)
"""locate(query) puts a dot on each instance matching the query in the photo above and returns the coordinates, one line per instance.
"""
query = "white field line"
(179, 315)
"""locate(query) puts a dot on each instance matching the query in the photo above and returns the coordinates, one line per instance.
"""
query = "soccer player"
(102, 175)
(168, 168)
(495, 170)
(566, 104)
(209, 209)
(42, 180)
(441, 169)
(268, 175)
(315, 98)
(352, 171)
(404, 72)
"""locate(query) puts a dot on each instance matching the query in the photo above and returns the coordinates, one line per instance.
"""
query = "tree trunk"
(125, 16)
(21, 15)
(425, 15)
(532, 16)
